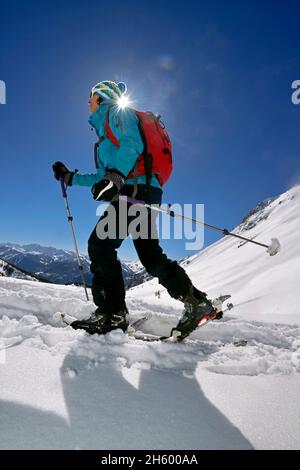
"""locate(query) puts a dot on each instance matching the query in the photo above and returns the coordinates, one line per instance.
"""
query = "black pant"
(108, 285)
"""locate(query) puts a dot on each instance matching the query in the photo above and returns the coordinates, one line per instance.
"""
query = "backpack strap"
(148, 158)
(109, 132)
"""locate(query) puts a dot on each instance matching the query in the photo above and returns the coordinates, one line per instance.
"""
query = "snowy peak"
(14, 250)
(9, 270)
(135, 266)
(264, 209)
(260, 212)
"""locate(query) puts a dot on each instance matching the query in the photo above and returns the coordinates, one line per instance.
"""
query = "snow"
(64, 389)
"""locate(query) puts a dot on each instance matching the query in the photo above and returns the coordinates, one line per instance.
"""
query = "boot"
(196, 307)
(102, 323)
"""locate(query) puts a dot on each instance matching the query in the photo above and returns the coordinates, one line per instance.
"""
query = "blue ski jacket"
(124, 125)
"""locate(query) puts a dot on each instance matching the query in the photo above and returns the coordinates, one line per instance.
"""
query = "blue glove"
(109, 186)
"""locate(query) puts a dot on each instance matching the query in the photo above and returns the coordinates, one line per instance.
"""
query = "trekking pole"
(272, 249)
(70, 220)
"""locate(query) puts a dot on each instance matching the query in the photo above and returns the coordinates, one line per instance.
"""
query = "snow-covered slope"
(262, 286)
(61, 388)
(9, 270)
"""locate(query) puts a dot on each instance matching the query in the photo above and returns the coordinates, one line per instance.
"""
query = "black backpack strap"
(148, 161)
(96, 146)
(135, 179)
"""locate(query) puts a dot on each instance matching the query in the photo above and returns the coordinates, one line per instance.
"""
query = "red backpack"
(157, 154)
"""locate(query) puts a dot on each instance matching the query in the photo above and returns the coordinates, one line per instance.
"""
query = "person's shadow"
(23, 427)
(151, 406)
(113, 407)
(154, 409)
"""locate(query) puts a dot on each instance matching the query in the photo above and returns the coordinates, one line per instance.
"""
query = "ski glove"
(61, 171)
(109, 186)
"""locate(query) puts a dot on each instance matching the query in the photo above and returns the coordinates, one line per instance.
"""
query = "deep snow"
(63, 389)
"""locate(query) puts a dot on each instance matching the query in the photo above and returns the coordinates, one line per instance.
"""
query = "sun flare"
(123, 102)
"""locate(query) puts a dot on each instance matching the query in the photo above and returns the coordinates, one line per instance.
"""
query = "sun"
(123, 102)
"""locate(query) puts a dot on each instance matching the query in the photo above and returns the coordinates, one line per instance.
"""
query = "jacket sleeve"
(88, 179)
(124, 125)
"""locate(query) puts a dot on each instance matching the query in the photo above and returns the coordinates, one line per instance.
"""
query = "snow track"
(272, 348)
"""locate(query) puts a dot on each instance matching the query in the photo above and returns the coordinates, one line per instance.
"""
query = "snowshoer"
(120, 147)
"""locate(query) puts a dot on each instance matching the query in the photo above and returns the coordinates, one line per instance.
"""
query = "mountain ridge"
(60, 266)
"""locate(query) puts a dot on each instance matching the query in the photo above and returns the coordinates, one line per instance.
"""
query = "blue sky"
(219, 73)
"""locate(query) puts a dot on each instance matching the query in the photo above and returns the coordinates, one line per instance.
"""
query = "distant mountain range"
(57, 265)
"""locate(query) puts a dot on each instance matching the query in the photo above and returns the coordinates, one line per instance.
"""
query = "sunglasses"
(99, 97)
